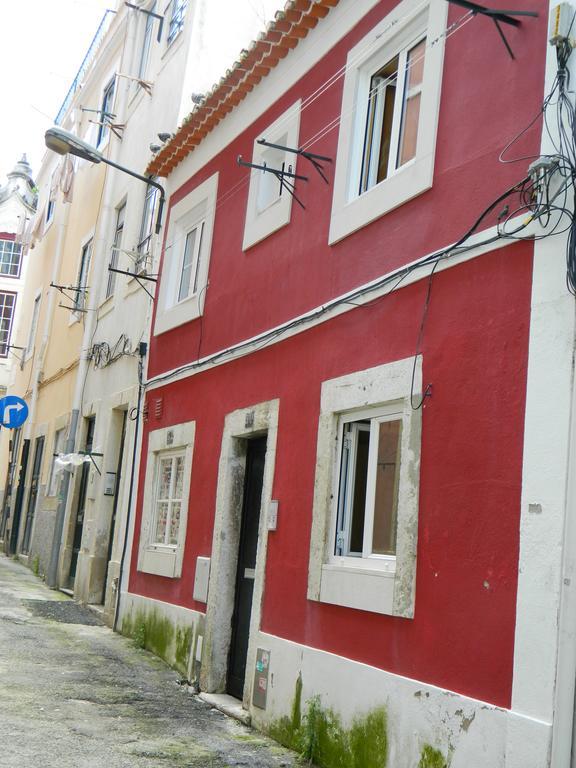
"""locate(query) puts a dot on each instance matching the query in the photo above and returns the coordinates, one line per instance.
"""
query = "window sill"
(360, 588)
(159, 562)
(408, 182)
(179, 314)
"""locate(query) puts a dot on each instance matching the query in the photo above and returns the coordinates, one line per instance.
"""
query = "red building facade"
(335, 490)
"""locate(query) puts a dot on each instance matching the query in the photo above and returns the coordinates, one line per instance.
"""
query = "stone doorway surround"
(239, 427)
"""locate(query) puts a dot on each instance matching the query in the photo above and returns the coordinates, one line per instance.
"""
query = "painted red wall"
(487, 98)
(475, 355)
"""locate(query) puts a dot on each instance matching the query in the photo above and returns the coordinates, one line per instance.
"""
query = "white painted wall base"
(180, 618)
(471, 733)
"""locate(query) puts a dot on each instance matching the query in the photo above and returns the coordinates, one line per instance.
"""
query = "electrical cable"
(331, 124)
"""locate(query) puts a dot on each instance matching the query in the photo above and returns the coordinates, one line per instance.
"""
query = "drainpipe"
(99, 273)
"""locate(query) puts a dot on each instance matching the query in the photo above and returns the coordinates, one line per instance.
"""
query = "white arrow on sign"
(8, 410)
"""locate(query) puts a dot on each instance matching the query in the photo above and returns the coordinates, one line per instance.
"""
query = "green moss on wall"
(319, 736)
(432, 758)
(183, 643)
(156, 633)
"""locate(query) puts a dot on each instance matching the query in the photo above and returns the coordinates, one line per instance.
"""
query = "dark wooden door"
(115, 503)
(81, 507)
(33, 496)
(248, 548)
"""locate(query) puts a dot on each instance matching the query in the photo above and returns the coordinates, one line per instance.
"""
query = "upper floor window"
(269, 203)
(106, 111)
(116, 246)
(7, 306)
(10, 256)
(146, 227)
(186, 258)
(389, 116)
(52, 194)
(81, 292)
(146, 43)
(33, 325)
(391, 128)
(177, 12)
(190, 262)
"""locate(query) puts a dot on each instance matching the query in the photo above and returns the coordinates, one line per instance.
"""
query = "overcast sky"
(42, 44)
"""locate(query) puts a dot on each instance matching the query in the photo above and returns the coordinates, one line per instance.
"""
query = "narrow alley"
(72, 693)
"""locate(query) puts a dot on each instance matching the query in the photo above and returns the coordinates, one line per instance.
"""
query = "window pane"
(165, 478)
(378, 130)
(161, 520)
(10, 253)
(359, 491)
(116, 246)
(269, 187)
(411, 107)
(179, 478)
(6, 312)
(386, 501)
(174, 523)
(146, 44)
(186, 274)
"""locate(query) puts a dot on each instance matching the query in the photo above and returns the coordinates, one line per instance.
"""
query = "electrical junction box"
(201, 578)
(562, 24)
(272, 515)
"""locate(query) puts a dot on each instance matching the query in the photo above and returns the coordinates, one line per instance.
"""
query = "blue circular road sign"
(13, 411)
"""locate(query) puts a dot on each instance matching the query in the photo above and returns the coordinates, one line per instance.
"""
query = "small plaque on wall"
(260, 690)
(109, 483)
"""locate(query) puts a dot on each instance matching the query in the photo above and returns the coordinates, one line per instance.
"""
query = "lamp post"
(63, 143)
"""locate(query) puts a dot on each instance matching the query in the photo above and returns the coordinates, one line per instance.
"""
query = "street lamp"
(63, 143)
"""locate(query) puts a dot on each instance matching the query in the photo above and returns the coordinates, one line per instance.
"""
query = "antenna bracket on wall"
(498, 16)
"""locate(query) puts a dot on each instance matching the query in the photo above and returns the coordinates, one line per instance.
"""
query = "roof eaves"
(283, 34)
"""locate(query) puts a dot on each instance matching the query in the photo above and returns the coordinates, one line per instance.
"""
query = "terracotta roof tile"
(290, 25)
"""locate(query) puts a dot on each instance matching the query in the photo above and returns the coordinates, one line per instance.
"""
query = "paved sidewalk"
(75, 695)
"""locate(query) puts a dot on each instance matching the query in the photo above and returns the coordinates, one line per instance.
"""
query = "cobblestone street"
(76, 694)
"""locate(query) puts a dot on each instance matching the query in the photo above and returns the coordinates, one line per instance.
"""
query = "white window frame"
(378, 583)
(165, 559)
(10, 249)
(177, 9)
(196, 210)
(51, 201)
(262, 222)
(116, 247)
(147, 37)
(33, 325)
(6, 344)
(80, 299)
(376, 416)
(103, 131)
(399, 31)
(145, 239)
(58, 445)
(170, 500)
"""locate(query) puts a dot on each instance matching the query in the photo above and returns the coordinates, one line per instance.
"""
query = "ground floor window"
(166, 499)
(365, 514)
